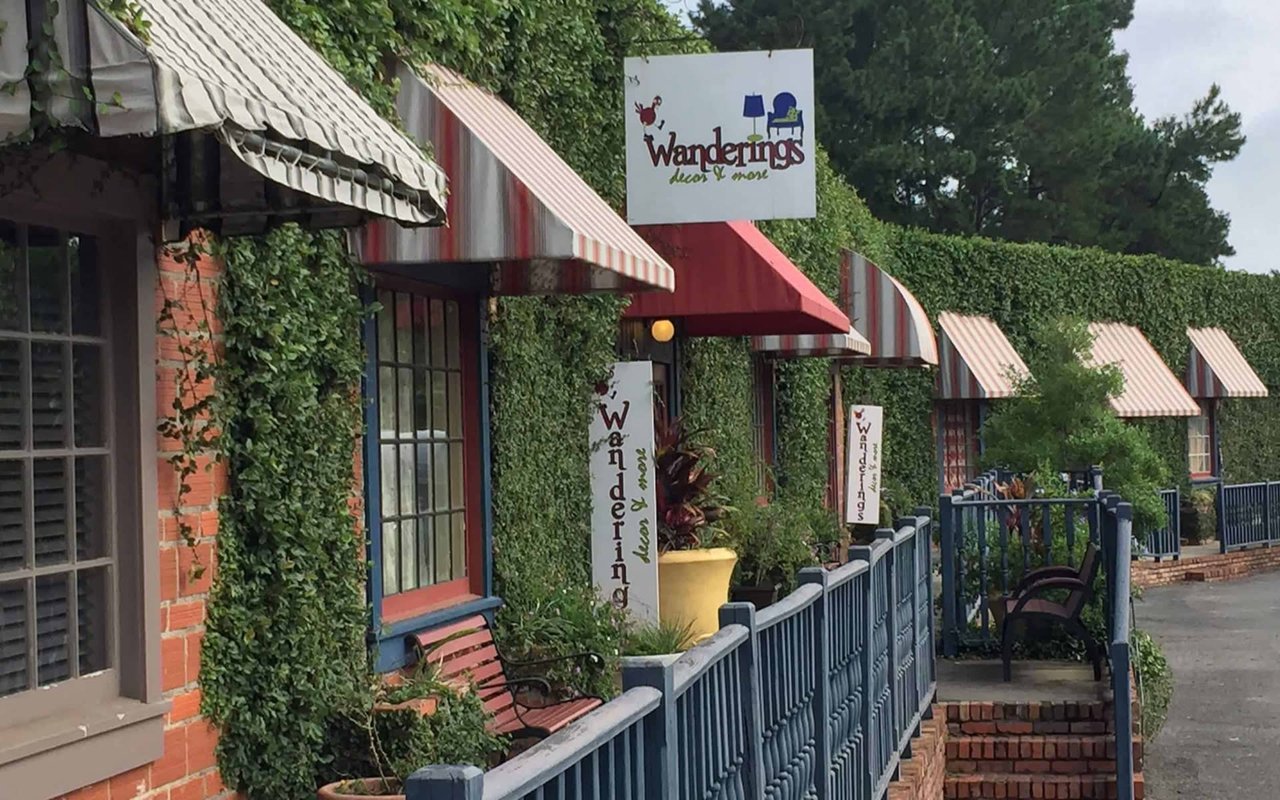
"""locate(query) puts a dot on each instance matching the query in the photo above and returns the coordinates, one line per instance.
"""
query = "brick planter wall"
(1215, 567)
(923, 776)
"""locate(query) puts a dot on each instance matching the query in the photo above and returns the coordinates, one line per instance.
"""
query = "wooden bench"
(1028, 606)
(466, 654)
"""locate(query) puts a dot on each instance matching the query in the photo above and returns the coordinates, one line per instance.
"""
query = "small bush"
(563, 621)
(1198, 516)
(773, 543)
(1155, 682)
(657, 640)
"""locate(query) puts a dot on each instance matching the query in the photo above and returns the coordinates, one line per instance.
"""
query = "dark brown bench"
(466, 654)
(1027, 606)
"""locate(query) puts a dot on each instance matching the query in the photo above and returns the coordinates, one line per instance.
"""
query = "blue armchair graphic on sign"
(785, 115)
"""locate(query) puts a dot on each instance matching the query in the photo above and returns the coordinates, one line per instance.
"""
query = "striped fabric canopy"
(294, 139)
(1150, 387)
(890, 317)
(1217, 368)
(836, 345)
(514, 203)
(977, 361)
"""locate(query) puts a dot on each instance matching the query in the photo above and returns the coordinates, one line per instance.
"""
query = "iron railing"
(815, 697)
(1117, 540)
(1247, 514)
(1165, 541)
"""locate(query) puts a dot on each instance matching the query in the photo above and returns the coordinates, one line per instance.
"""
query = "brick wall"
(1214, 567)
(924, 775)
(187, 770)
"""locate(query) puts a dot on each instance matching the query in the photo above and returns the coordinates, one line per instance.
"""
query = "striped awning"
(835, 345)
(733, 281)
(1217, 368)
(260, 128)
(1150, 387)
(515, 205)
(888, 315)
(977, 362)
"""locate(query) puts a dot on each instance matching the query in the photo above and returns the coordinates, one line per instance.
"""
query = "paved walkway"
(1222, 739)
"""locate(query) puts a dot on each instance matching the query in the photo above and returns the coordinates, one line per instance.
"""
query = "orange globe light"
(662, 330)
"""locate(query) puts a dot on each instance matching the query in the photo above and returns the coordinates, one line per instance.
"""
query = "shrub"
(1155, 682)
(1198, 516)
(773, 543)
(657, 640)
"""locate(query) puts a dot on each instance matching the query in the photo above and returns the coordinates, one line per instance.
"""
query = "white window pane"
(14, 638)
(437, 334)
(441, 468)
(444, 564)
(439, 405)
(455, 405)
(390, 481)
(386, 326)
(404, 395)
(390, 558)
(408, 557)
(53, 629)
(426, 550)
(404, 328)
(459, 545)
(48, 394)
(425, 467)
(387, 402)
(408, 480)
(452, 345)
(457, 486)
(50, 501)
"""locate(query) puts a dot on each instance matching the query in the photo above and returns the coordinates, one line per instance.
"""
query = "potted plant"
(1198, 521)
(693, 573)
(773, 543)
(376, 740)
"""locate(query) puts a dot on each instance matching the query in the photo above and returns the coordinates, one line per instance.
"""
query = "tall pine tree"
(1006, 119)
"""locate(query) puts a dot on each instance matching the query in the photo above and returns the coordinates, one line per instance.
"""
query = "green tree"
(1010, 120)
(1061, 420)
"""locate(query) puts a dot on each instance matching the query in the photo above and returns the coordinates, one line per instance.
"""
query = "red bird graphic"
(649, 114)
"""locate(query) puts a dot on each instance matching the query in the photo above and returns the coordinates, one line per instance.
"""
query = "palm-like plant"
(688, 508)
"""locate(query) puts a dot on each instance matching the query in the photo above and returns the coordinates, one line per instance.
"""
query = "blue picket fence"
(815, 697)
(1166, 541)
(1248, 514)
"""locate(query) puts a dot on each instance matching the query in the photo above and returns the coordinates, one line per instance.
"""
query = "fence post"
(821, 685)
(1220, 518)
(947, 545)
(929, 622)
(871, 767)
(1266, 510)
(661, 742)
(1119, 647)
(744, 614)
(1095, 473)
(445, 783)
(891, 630)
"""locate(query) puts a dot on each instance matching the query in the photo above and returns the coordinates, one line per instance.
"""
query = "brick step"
(1022, 719)
(1053, 754)
(996, 786)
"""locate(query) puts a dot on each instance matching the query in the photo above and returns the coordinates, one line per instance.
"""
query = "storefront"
(100, 628)
(1216, 370)
(521, 223)
(977, 365)
(731, 281)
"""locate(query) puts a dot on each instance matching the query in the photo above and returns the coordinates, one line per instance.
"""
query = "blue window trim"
(390, 641)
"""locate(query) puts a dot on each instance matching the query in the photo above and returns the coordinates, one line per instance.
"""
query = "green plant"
(689, 511)
(1060, 419)
(773, 543)
(1155, 682)
(1198, 516)
(564, 620)
(656, 639)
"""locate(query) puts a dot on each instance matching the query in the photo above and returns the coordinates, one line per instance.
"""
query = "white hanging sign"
(720, 136)
(862, 476)
(624, 528)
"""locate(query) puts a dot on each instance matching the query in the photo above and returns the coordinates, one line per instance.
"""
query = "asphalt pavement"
(1222, 738)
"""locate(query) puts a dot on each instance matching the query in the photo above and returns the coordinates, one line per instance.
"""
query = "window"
(762, 419)
(428, 499)
(1200, 443)
(57, 576)
(959, 443)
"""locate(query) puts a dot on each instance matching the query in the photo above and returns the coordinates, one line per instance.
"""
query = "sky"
(1177, 48)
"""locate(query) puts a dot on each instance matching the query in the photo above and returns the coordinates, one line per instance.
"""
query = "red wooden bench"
(466, 653)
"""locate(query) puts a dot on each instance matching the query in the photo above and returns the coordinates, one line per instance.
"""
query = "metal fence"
(815, 697)
(1117, 538)
(1166, 541)
(1248, 514)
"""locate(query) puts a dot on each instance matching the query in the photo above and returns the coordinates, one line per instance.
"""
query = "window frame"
(968, 413)
(395, 615)
(1209, 437)
(109, 723)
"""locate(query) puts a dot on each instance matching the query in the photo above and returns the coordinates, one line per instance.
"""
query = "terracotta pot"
(760, 596)
(331, 791)
(426, 706)
(692, 585)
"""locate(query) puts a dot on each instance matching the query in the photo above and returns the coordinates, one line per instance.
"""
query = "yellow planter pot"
(692, 585)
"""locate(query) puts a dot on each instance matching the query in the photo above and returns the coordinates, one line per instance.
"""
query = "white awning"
(233, 69)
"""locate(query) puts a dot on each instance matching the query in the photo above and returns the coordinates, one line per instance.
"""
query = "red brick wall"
(187, 770)
(924, 775)
(1215, 567)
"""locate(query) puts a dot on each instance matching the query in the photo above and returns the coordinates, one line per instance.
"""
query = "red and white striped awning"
(833, 345)
(977, 361)
(1217, 367)
(1150, 387)
(888, 315)
(513, 202)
